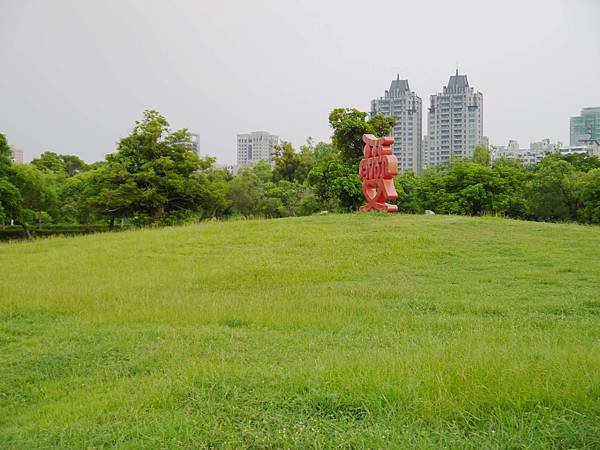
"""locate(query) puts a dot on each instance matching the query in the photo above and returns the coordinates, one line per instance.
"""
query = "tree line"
(154, 178)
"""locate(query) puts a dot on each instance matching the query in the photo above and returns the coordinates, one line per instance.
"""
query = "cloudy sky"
(76, 74)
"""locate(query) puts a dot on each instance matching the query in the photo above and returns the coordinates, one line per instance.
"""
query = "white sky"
(76, 75)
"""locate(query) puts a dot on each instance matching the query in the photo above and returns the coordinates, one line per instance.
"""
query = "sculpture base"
(385, 207)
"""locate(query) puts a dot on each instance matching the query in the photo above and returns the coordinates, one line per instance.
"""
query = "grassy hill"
(346, 331)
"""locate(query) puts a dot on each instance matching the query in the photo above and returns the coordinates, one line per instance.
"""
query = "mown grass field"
(344, 331)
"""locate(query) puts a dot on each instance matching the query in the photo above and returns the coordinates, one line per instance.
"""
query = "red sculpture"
(377, 170)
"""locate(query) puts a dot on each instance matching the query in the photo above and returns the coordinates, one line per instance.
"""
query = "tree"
(549, 192)
(407, 186)
(38, 193)
(481, 155)
(588, 190)
(73, 164)
(49, 162)
(349, 125)
(247, 189)
(10, 197)
(290, 165)
(583, 162)
(153, 176)
(336, 184)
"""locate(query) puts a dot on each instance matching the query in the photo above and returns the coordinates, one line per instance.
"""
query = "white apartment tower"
(455, 122)
(406, 107)
(254, 147)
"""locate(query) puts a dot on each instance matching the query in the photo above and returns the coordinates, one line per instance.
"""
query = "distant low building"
(591, 149)
(254, 147)
(533, 155)
(16, 155)
(545, 146)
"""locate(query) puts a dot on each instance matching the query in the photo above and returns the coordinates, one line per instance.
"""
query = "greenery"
(337, 331)
(153, 178)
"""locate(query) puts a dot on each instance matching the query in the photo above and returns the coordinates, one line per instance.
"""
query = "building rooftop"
(458, 81)
(398, 86)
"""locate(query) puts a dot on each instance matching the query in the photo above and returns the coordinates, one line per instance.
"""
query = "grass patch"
(332, 331)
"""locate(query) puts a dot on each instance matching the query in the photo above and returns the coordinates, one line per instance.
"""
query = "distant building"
(591, 149)
(455, 121)
(16, 155)
(195, 145)
(406, 107)
(513, 146)
(585, 128)
(254, 147)
(545, 146)
(534, 155)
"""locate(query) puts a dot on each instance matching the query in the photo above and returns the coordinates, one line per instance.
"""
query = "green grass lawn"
(344, 331)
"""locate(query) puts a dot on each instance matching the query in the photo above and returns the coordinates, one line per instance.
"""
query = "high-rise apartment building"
(254, 147)
(455, 122)
(585, 128)
(406, 107)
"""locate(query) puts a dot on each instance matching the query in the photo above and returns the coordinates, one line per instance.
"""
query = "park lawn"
(343, 331)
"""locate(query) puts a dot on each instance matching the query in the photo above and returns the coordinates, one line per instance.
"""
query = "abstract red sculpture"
(377, 170)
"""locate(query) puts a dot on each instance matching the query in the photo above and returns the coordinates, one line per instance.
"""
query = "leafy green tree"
(291, 165)
(549, 192)
(336, 185)
(153, 176)
(38, 192)
(407, 186)
(73, 164)
(464, 187)
(349, 125)
(76, 198)
(11, 200)
(215, 202)
(49, 162)
(588, 190)
(246, 190)
(583, 162)
(481, 155)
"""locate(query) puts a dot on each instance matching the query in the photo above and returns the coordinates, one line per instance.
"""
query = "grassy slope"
(354, 330)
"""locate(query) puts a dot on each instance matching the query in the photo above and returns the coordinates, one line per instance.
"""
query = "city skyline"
(218, 71)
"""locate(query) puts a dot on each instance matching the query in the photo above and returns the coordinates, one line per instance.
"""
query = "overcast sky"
(76, 75)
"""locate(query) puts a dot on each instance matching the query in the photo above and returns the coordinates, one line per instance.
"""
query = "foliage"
(407, 186)
(153, 176)
(291, 165)
(588, 191)
(481, 155)
(549, 192)
(349, 125)
(38, 192)
(10, 197)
